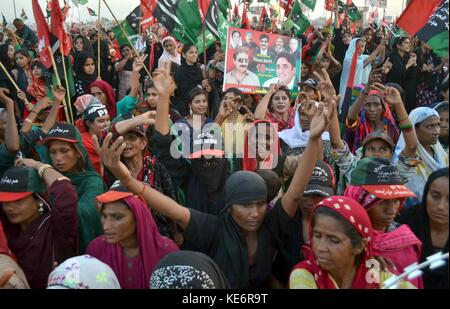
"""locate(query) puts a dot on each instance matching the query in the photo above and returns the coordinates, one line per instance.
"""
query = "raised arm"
(59, 94)
(305, 168)
(393, 97)
(380, 48)
(110, 156)
(11, 133)
(138, 64)
(147, 118)
(164, 85)
(121, 64)
(261, 108)
(47, 172)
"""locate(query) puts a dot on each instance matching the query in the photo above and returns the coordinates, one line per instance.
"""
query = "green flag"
(181, 18)
(121, 39)
(223, 27)
(311, 4)
(297, 20)
(5, 23)
(209, 38)
(224, 5)
(352, 12)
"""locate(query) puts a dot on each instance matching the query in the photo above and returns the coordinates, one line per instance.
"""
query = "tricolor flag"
(91, 12)
(311, 4)
(428, 19)
(78, 2)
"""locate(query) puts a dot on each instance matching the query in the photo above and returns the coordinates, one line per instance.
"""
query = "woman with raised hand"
(242, 239)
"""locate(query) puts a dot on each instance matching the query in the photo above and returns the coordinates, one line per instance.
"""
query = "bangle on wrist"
(43, 168)
(406, 126)
(143, 189)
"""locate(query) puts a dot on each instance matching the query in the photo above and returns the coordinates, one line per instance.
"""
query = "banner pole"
(126, 36)
(58, 81)
(98, 42)
(9, 77)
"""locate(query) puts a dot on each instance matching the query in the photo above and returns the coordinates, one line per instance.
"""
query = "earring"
(41, 208)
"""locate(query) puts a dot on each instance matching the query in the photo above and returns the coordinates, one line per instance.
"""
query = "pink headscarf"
(152, 245)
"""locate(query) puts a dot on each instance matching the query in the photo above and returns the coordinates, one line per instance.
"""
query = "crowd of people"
(167, 181)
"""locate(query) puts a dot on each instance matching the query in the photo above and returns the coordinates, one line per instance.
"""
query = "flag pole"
(98, 41)
(126, 36)
(15, 12)
(204, 47)
(9, 76)
(58, 81)
(67, 83)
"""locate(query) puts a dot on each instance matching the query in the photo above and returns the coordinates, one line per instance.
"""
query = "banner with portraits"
(254, 60)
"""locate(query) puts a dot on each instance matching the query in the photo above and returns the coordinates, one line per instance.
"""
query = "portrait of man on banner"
(262, 60)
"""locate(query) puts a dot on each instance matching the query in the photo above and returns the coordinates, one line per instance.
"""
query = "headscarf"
(249, 162)
(38, 88)
(187, 270)
(429, 163)
(296, 137)
(361, 73)
(110, 96)
(88, 184)
(168, 57)
(365, 128)
(83, 272)
(243, 187)
(355, 215)
(82, 77)
(152, 246)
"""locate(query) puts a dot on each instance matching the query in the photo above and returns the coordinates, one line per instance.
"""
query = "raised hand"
(59, 93)
(162, 81)
(110, 156)
(387, 66)
(393, 96)
(274, 88)
(378, 87)
(138, 63)
(325, 84)
(149, 118)
(321, 119)
(374, 77)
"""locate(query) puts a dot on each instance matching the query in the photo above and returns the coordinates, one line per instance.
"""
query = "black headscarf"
(84, 78)
(419, 222)
(187, 270)
(243, 187)
(4, 81)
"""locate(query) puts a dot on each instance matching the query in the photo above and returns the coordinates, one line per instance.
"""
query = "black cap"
(321, 181)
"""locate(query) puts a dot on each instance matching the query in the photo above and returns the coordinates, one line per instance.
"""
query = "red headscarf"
(37, 88)
(110, 96)
(249, 162)
(152, 245)
(357, 216)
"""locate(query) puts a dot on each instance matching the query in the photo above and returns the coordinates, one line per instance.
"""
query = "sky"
(122, 8)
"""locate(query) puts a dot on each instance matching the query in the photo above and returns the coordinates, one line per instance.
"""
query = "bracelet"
(406, 126)
(28, 120)
(43, 168)
(407, 130)
(143, 189)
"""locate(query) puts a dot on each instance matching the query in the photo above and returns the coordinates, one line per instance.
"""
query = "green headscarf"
(89, 184)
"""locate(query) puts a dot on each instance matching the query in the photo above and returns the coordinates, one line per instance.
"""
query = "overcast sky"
(122, 8)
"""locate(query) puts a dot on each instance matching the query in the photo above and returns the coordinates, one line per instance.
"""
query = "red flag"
(245, 24)
(417, 14)
(149, 5)
(289, 6)
(203, 6)
(58, 28)
(329, 5)
(147, 9)
(43, 35)
(262, 18)
(235, 12)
